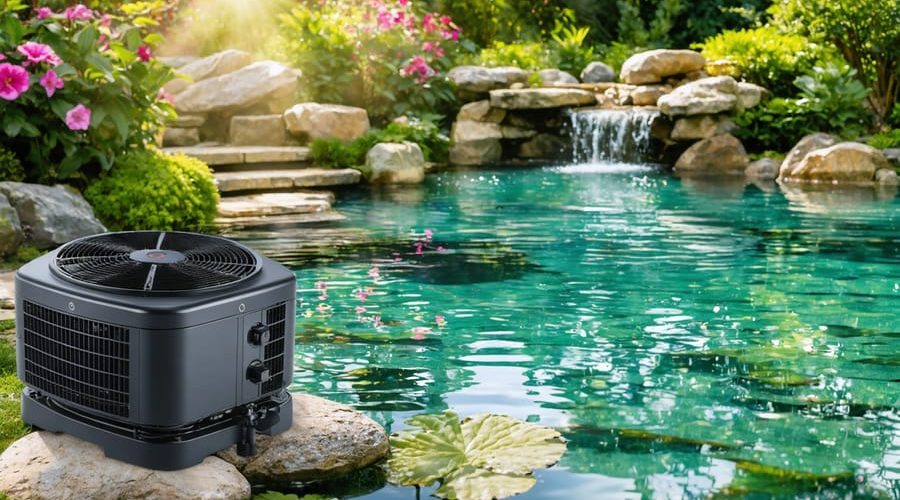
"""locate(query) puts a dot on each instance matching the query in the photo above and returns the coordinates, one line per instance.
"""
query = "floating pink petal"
(13, 81)
(360, 310)
(428, 234)
(440, 248)
(440, 321)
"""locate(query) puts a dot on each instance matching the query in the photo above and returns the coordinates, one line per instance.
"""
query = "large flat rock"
(257, 205)
(253, 84)
(235, 155)
(541, 98)
(46, 465)
(326, 439)
(285, 178)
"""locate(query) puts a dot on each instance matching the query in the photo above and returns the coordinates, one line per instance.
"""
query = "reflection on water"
(687, 339)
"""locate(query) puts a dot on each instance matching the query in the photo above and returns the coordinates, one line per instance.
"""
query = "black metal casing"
(156, 380)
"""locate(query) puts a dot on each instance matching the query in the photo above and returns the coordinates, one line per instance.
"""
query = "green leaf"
(488, 456)
(86, 39)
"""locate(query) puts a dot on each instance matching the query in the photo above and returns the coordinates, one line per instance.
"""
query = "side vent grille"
(73, 358)
(274, 351)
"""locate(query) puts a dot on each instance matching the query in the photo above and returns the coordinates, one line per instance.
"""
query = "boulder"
(465, 131)
(715, 94)
(692, 128)
(655, 65)
(845, 162)
(481, 111)
(257, 83)
(648, 95)
(720, 154)
(510, 132)
(313, 121)
(475, 143)
(56, 214)
(541, 98)
(543, 146)
(479, 79)
(178, 136)
(190, 121)
(597, 72)
(257, 130)
(46, 465)
(11, 235)
(749, 95)
(556, 76)
(887, 177)
(326, 439)
(8, 293)
(218, 64)
(893, 155)
(763, 169)
(396, 163)
(803, 147)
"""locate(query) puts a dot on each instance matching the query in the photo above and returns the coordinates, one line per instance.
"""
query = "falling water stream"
(612, 135)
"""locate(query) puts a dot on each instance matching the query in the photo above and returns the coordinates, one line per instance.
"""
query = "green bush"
(616, 53)
(152, 190)
(830, 100)
(886, 139)
(763, 56)
(336, 154)
(24, 254)
(570, 42)
(10, 167)
(530, 56)
(87, 90)
(11, 425)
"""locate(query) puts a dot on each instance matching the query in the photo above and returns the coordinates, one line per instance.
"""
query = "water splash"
(612, 135)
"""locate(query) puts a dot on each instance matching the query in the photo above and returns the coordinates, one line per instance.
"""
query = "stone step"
(258, 205)
(237, 155)
(261, 180)
(278, 220)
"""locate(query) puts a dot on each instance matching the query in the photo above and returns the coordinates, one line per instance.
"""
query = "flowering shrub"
(77, 88)
(383, 55)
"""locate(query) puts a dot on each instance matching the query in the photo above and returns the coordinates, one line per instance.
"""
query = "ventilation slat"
(77, 359)
(274, 349)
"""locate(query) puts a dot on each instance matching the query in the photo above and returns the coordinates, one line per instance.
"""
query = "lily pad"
(484, 457)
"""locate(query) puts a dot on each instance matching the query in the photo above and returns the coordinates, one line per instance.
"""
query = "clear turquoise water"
(688, 338)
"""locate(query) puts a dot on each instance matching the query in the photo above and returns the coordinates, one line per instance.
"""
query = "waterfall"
(612, 135)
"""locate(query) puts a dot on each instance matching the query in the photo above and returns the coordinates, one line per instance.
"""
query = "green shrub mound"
(10, 167)
(337, 154)
(152, 190)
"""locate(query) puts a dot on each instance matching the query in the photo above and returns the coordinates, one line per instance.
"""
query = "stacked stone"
(228, 98)
(821, 159)
(503, 116)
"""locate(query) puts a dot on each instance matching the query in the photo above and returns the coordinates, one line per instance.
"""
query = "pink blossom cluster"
(15, 79)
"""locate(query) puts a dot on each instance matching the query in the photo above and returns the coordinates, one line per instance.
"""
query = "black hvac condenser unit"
(161, 347)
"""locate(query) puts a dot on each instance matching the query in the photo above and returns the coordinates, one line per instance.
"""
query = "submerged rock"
(46, 465)
(326, 439)
(326, 121)
(711, 95)
(887, 177)
(849, 162)
(56, 214)
(597, 72)
(804, 146)
(720, 154)
(396, 163)
(655, 65)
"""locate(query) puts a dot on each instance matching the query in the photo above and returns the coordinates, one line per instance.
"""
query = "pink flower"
(2, 57)
(403, 2)
(13, 81)
(44, 12)
(428, 234)
(385, 20)
(418, 67)
(428, 46)
(440, 321)
(438, 52)
(50, 81)
(37, 53)
(445, 20)
(143, 52)
(362, 295)
(78, 118)
(376, 321)
(162, 95)
(374, 273)
(439, 248)
(79, 12)
(105, 20)
(419, 246)
(360, 310)
(419, 332)
(428, 23)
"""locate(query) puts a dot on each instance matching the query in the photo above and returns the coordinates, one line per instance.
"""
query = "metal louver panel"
(77, 359)
(274, 350)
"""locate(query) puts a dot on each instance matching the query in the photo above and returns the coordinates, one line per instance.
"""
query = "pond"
(687, 337)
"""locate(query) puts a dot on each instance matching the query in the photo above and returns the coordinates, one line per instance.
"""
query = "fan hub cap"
(157, 256)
